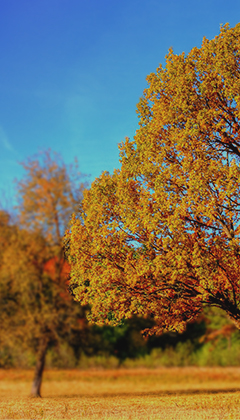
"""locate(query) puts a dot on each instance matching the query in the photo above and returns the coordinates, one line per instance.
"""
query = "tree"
(160, 237)
(8, 293)
(48, 194)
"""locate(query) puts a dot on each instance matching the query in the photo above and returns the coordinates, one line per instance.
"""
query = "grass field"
(165, 393)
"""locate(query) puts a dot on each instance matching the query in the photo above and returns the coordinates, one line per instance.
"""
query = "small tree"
(48, 194)
(160, 237)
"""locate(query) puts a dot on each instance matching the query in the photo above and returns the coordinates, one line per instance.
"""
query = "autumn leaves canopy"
(160, 237)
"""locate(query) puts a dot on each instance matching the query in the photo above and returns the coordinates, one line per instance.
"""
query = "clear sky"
(72, 72)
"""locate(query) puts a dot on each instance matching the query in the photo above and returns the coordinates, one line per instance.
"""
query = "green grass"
(164, 393)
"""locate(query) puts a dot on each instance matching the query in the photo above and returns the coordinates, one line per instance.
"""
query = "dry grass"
(166, 393)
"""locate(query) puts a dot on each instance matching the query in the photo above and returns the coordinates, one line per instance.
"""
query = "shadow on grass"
(148, 394)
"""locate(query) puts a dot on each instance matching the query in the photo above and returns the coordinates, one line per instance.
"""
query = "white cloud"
(5, 142)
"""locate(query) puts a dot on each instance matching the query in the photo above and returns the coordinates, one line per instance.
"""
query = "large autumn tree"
(48, 193)
(160, 237)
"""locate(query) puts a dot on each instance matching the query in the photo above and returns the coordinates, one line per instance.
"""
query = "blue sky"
(72, 72)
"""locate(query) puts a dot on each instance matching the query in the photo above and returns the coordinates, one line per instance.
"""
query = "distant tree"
(161, 237)
(48, 194)
(8, 293)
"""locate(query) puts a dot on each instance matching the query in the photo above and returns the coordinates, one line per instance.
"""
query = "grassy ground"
(165, 393)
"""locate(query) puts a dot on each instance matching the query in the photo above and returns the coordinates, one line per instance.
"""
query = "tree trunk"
(37, 381)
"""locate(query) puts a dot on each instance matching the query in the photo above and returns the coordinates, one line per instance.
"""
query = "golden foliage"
(160, 237)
